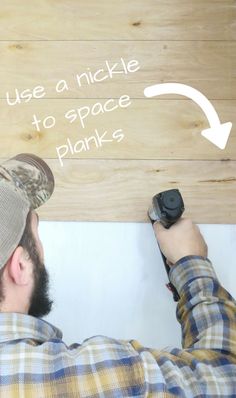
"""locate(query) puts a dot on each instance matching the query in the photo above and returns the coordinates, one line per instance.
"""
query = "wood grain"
(153, 129)
(121, 190)
(191, 42)
(110, 20)
(208, 66)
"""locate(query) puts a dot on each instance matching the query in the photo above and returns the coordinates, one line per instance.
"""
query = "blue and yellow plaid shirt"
(35, 362)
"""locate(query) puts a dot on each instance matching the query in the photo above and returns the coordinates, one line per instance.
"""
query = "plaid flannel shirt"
(35, 362)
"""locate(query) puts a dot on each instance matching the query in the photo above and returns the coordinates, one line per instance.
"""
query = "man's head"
(26, 182)
(24, 280)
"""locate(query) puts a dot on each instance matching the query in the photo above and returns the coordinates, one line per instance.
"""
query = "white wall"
(108, 278)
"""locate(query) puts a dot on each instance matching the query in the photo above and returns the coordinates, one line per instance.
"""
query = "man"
(35, 362)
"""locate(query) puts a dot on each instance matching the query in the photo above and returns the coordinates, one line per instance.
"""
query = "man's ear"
(20, 266)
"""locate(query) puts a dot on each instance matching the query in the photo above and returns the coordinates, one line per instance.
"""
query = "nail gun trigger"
(168, 285)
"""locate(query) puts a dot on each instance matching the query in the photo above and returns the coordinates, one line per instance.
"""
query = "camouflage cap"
(26, 182)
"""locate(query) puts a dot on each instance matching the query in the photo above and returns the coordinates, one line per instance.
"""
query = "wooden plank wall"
(190, 42)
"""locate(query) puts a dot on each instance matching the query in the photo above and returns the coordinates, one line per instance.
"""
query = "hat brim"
(31, 175)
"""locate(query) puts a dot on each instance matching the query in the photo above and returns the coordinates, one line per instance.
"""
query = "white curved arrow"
(218, 133)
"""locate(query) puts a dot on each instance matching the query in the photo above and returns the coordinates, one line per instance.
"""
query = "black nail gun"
(167, 207)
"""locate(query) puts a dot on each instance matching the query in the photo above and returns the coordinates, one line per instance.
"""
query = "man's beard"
(40, 302)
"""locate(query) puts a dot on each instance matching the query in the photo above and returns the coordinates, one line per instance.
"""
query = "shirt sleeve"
(107, 367)
(206, 311)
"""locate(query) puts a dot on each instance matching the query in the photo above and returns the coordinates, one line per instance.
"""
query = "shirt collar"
(14, 326)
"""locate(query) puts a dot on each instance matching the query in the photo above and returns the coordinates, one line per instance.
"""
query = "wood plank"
(121, 190)
(103, 20)
(207, 66)
(153, 129)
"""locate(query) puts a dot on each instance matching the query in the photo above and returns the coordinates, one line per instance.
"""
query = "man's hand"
(182, 239)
